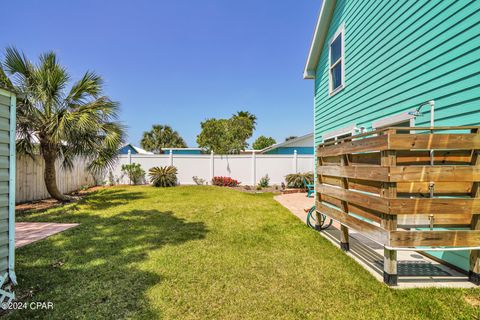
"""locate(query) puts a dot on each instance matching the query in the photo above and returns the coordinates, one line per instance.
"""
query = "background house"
(182, 150)
(303, 145)
(133, 150)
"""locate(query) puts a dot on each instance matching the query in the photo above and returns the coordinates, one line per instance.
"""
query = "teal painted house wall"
(399, 54)
(7, 185)
(182, 151)
(125, 149)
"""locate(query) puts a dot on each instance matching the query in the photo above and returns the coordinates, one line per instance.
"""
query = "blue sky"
(180, 62)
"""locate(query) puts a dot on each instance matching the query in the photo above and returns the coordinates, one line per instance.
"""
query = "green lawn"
(198, 252)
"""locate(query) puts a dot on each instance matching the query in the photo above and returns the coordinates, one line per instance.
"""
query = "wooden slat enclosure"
(404, 187)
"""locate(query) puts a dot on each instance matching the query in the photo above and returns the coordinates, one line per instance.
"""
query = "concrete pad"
(28, 232)
(414, 269)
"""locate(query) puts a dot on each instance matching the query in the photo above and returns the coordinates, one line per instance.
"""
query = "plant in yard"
(263, 142)
(161, 136)
(111, 179)
(61, 122)
(163, 176)
(225, 182)
(226, 136)
(134, 172)
(198, 181)
(264, 181)
(295, 180)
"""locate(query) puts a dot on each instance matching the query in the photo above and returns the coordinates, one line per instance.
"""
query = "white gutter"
(319, 36)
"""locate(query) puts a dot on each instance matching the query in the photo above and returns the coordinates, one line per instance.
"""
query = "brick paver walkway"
(28, 232)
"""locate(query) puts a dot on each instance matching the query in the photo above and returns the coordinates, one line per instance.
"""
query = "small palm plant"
(296, 180)
(163, 176)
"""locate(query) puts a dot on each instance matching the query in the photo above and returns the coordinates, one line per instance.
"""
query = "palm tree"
(161, 136)
(61, 122)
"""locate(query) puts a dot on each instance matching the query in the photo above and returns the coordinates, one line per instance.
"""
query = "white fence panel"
(248, 169)
(188, 167)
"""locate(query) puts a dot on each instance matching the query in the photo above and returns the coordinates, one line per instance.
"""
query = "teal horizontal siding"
(398, 55)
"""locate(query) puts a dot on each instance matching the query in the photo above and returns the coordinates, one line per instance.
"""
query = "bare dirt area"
(251, 189)
(51, 203)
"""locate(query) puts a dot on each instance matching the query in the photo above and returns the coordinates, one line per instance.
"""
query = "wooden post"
(318, 196)
(344, 238)
(389, 222)
(474, 270)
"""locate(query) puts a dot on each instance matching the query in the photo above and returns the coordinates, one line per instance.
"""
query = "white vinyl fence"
(247, 168)
(30, 184)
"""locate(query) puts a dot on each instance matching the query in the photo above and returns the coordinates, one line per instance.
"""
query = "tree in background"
(290, 138)
(60, 123)
(227, 136)
(161, 137)
(263, 142)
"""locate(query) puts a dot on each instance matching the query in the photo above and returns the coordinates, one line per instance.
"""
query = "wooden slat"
(353, 208)
(331, 161)
(439, 220)
(440, 187)
(434, 173)
(435, 206)
(361, 145)
(433, 141)
(355, 172)
(355, 184)
(441, 157)
(371, 231)
(371, 158)
(363, 200)
(458, 238)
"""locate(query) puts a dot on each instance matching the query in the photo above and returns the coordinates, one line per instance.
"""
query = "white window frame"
(340, 31)
(394, 119)
(334, 134)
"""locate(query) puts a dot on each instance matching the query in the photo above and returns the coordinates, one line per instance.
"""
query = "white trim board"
(394, 119)
(340, 132)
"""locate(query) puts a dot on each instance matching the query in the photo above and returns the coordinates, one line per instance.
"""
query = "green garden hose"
(312, 220)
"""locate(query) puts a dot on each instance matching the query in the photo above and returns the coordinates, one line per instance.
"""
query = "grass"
(199, 252)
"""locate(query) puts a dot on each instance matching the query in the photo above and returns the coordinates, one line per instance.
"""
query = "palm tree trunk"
(50, 177)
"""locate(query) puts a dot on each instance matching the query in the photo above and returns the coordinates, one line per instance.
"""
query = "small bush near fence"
(163, 176)
(225, 182)
(198, 181)
(264, 181)
(134, 172)
(295, 180)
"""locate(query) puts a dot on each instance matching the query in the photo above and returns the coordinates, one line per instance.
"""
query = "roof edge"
(321, 29)
(273, 146)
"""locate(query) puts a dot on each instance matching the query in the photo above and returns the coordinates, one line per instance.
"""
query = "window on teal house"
(336, 60)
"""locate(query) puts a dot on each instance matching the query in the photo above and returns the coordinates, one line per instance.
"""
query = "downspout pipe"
(416, 113)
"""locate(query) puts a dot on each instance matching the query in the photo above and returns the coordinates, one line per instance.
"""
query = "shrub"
(198, 181)
(163, 176)
(264, 181)
(225, 182)
(134, 172)
(295, 180)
